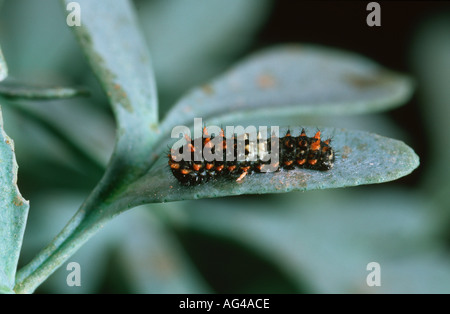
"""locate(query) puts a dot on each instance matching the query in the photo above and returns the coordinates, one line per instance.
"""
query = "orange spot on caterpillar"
(312, 162)
(242, 176)
(288, 162)
(301, 161)
(196, 167)
(231, 168)
(316, 145)
(185, 171)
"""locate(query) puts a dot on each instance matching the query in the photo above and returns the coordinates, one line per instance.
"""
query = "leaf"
(3, 67)
(294, 79)
(13, 208)
(20, 90)
(118, 55)
(13, 212)
(362, 158)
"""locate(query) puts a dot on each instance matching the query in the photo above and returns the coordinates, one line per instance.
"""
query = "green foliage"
(284, 81)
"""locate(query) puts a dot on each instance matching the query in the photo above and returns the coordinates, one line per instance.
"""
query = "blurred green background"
(312, 242)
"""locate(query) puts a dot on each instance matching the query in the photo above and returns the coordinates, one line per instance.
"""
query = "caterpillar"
(291, 152)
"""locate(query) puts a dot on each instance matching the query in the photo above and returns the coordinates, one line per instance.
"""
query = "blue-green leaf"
(294, 79)
(13, 213)
(118, 55)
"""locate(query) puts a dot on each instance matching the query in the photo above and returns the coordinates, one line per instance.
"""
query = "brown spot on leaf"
(18, 201)
(154, 127)
(120, 96)
(266, 81)
(346, 150)
(208, 89)
(368, 81)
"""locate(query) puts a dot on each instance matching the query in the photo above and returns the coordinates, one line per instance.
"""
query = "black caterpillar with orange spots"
(293, 152)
